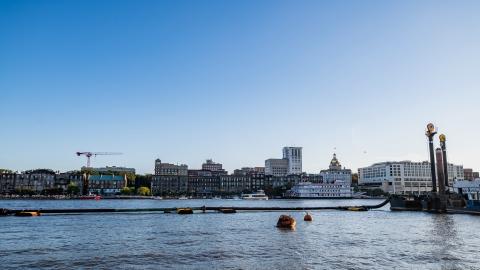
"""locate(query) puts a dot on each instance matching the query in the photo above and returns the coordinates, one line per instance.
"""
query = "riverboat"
(259, 195)
(91, 197)
(307, 190)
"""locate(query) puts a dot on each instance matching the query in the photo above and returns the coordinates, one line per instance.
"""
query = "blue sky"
(236, 81)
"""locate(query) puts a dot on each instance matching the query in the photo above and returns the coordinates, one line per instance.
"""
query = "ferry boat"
(91, 197)
(259, 195)
(307, 190)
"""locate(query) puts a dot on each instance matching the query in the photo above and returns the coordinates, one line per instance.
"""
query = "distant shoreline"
(120, 197)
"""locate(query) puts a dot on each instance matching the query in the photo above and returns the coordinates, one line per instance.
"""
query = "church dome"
(335, 164)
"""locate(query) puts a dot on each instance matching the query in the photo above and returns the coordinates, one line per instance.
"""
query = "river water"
(377, 239)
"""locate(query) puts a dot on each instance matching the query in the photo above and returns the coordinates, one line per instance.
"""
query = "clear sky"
(236, 81)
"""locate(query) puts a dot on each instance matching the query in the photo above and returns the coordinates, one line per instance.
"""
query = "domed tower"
(335, 164)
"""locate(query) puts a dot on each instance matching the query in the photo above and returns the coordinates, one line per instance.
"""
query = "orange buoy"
(286, 222)
(307, 217)
(28, 214)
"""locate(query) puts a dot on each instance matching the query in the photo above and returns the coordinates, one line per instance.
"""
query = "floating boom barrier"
(190, 210)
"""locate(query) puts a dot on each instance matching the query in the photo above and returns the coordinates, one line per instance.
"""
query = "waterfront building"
(282, 181)
(111, 169)
(35, 180)
(336, 173)
(294, 157)
(215, 168)
(7, 182)
(276, 166)
(257, 181)
(247, 170)
(170, 169)
(106, 184)
(38, 181)
(130, 172)
(404, 176)
(469, 174)
(468, 187)
(236, 183)
(62, 180)
(169, 178)
(203, 183)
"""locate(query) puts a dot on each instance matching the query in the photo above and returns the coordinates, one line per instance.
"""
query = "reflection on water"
(444, 240)
(377, 239)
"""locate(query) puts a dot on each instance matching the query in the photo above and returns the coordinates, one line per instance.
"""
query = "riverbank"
(68, 197)
(123, 197)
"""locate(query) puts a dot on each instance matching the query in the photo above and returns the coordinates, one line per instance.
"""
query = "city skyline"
(188, 81)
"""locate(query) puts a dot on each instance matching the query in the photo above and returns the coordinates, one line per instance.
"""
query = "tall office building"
(294, 157)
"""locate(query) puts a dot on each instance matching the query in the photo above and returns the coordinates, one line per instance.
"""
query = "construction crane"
(94, 154)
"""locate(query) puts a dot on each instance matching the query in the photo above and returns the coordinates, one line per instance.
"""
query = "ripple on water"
(342, 240)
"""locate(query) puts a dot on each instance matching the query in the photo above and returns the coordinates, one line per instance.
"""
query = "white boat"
(307, 190)
(183, 198)
(259, 195)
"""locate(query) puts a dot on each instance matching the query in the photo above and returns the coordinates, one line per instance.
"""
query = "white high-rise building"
(404, 176)
(294, 157)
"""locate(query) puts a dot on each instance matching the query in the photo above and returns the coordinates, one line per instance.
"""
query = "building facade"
(111, 169)
(169, 178)
(62, 180)
(469, 174)
(106, 184)
(404, 176)
(276, 166)
(236, 183)
(294, 157)
(336, 173)
(7, 183)
(247, 170)
(215, 168)
(35, 180)
(39, 181)
(203, 183)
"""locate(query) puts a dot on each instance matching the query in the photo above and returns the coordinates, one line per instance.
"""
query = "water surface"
(378, 239)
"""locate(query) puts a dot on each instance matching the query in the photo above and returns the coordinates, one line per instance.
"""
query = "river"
(377, 239)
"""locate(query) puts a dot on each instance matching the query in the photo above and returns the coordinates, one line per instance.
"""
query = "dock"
(203, 209)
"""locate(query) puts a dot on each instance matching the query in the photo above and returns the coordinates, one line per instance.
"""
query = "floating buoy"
(27, 214)
(357, 209)
(307, 217)
(184, 211)
(286, 222)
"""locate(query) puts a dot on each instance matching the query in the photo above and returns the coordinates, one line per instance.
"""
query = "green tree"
(5, 171)
(130, 178)
(143, 191)
(126, 191)
(73, 188)
(89, 171)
